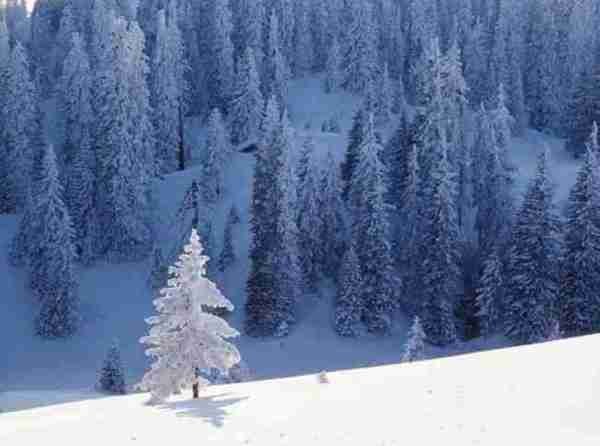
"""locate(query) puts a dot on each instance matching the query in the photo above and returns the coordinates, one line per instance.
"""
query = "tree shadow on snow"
(209, 408)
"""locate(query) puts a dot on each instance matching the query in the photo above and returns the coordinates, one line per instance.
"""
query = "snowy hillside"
(545, 394)
(70, 365)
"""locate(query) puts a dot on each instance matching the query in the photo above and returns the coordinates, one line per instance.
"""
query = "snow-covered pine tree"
(304, 47)
(372, 232)
(277, 72)
(78, 154)
(247, 101)
(360, 54)
(218, 154)
(490, 294)
(227, 256)
(53, 279)
(333, 75)
(580, 277)
(310, 220)
(250, 30)
(7, 193)
(415, 345)
(532, 273)
(584, 110)
(222, 59)
(355, 140)
(264, 218)
(349, 305)
(64, 37)
(515, 87)
(331, 210)
(184, 336)
(112, 376)
(287, 270)
(124, 143)
(439, 275)
(385, 97)
(476, 63)
(169, 88)
(18, 115)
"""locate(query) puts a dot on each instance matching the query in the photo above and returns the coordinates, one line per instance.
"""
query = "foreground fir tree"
(532, 276)
(112, 376)
(247, 101)
(580, 271)
(53, 278)
(415, 345)
(183, 335)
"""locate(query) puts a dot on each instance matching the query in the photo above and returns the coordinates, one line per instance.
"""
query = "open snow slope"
(116, 298)
(548, 394)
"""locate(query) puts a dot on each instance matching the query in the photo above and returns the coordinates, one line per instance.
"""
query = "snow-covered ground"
(547, 394)
(116, 298)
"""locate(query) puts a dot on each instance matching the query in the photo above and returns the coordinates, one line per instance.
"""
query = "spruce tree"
(584, 110)
(331, 211)
(184, 336)
(355, 140)
(349, 305)
(360, 55)
(415, 345)
(490, 295)
(18, 115)
(276, 69)
(247, 101)
(112, 376)
(52, 273)
(227, 256)
(310, 220)
(304, 46)
(218, 155)
(169, 87)
(223, 70)
(78, 154)
(333, 76)
(532, 275)
(580, 279)
(372, 233)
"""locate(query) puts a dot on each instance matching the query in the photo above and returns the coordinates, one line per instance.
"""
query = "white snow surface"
(547, 394)
(116, 299)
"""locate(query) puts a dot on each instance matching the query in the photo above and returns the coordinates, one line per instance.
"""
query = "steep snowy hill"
(116, 298)
(547, 394)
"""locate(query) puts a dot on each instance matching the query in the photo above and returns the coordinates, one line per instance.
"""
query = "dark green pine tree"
(439, 274)
(372, 233)
(261, 304)
(579, 300)
(112, 376)
(227, 256)
(53, 274)
(532, 274)
(583, 110)
(355, 140)
(349, 305)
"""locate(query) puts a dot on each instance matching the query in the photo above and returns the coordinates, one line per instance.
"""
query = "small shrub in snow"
(112, 376)
(415, 346)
